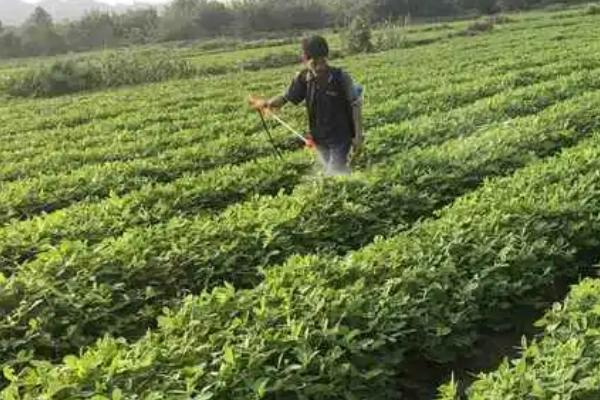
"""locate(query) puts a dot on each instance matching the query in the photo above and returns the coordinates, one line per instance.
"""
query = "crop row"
(28, 236)
(326, 327)
(169, 121)
(563, 364)
(450, 97)
(96, 107)
(121, 285)
(166, 122)
(412, 106)
(45, 193)
(567, 20)
(440, 126)
(187, 196)
(62, 112)
(73, 159)
(34, 204)
(76, 157)
(137, 146)
(22, 240)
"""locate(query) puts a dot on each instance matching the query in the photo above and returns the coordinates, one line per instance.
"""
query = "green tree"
(276, 15)
(10, 45)
(358, 37)
(214, 18)
(254, 16)
(179, 20)
(40, 18)
(344, 11)
(513, 4)
(308, 14)
(137, 26)
(96, 29)
(483, 6)
(39, 36)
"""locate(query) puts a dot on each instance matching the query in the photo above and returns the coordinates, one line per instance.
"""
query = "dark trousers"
(334, 157)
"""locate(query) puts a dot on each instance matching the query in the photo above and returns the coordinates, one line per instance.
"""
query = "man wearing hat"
(333, 103)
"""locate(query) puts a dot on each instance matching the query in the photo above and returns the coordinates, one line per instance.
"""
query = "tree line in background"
(196, 19)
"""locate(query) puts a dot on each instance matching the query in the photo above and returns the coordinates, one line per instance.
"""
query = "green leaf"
(117, 394)
(260, 387)
(228, 355)
(71, 362)
(9, 374)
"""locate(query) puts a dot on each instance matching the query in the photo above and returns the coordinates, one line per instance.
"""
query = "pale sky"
(116, 1)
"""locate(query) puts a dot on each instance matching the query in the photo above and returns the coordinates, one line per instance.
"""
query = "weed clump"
(477, 28)
(273, 60)
(389, 36)
(592, 9)
(357, 39)
(90, 73)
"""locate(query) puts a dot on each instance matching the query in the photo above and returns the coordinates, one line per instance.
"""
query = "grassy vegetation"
(152, 246)
(111, 70)
(563, 363)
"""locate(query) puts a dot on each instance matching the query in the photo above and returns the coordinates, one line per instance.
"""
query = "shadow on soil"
(492, 347)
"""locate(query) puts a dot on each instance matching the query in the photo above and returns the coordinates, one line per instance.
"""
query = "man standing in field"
(333, 103)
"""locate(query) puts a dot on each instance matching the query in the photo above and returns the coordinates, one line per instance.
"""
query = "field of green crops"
(152, 246)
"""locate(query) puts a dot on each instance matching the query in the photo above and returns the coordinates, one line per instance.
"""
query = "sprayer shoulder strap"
(338, 79)
(311, 92)
(342, 85)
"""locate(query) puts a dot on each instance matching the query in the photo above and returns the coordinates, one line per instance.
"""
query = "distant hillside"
(14, 12)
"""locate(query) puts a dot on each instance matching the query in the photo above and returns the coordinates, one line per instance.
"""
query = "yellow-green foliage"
(153, 246)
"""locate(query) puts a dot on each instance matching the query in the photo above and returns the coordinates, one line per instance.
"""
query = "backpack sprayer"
(265, 112)
(254, 102)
